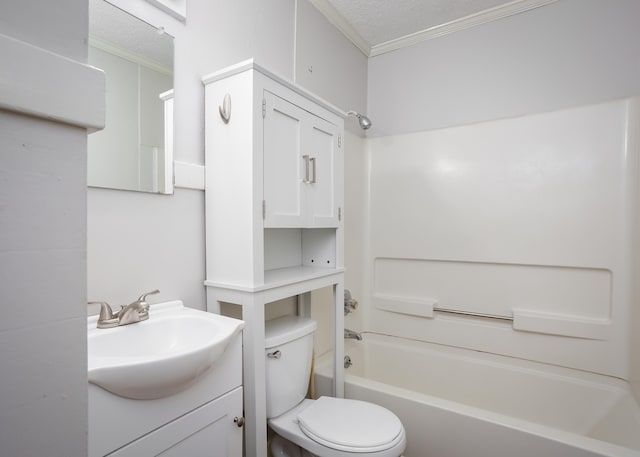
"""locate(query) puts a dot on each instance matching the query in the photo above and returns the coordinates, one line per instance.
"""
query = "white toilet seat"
(335, 427)
(350, 425)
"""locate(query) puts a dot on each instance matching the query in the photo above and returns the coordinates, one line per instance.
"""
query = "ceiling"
(120, 31)
(378, 26)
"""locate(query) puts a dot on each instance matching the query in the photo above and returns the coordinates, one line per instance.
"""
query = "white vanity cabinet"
(209, 431)
(200, 421)
(274, 196)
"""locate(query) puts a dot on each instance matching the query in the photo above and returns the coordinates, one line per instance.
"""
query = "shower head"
(364, 121)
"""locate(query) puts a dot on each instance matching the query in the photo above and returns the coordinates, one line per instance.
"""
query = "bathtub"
(461, 403)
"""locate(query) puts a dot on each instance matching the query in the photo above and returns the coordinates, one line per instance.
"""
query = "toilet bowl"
(326, 427)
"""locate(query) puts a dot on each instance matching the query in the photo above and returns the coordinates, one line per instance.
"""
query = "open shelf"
(281, 277)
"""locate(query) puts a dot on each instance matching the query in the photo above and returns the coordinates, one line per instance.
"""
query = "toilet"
(326, 427)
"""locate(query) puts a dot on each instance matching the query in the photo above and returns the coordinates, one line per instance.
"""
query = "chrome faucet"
(349, 303)
(136, 311)
(350, 334)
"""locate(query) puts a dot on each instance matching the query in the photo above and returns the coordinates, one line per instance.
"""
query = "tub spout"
(350, 334)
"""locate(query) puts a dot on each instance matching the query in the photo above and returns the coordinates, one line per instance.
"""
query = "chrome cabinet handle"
(310, 169)
(274, 354)
(306, 168)
(313, 164)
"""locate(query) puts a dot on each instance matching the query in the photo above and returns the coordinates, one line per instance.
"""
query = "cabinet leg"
(338, 345)
(254, 380)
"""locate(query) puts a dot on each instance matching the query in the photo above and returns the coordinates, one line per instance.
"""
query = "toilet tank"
(288, 352)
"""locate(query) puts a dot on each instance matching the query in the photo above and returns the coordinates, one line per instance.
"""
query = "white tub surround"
(512, 237)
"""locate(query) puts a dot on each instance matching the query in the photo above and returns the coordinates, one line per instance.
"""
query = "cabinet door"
(321, 142)
(301, 165)
(284, 165)
(209, 431)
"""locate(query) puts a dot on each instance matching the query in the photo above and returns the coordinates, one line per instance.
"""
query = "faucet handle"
(143, 297)
(142, 300)
(107, 318)
(105, 310)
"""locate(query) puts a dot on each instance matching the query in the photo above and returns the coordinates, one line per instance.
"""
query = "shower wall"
(503, 181)
(527, 218)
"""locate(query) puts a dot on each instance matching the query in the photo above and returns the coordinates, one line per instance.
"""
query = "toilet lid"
(350, 425)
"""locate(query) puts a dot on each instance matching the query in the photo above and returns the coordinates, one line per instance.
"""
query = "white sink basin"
(160, 356)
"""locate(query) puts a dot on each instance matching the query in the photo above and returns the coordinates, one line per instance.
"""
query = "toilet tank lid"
(288, 328)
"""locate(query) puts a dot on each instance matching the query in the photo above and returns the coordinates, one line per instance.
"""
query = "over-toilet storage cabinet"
(274, 199)
(300, 166)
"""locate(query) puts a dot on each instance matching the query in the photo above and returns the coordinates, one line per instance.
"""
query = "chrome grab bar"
(471, 313)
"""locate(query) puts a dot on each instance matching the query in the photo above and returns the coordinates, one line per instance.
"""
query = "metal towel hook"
(225, 108)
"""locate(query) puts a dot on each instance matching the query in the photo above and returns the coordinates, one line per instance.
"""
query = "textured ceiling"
(110, 24)
(379, 21)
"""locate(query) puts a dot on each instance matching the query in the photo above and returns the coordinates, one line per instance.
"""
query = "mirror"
(131, 153)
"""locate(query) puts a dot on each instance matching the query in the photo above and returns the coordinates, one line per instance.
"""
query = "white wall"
(329, 65)
(145, 242)
(564, 55)
(43, 393)
(221, 33)
(568, 53)
(356, 233)
(60, 28)
(138, 242)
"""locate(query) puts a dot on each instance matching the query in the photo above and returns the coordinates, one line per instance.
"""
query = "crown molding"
(492, 14)
(482, 17)
(335, 18)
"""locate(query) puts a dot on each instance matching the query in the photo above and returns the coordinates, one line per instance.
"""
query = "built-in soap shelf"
(522, 319)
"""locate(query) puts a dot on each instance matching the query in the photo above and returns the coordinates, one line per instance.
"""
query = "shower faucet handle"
(350, 304)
